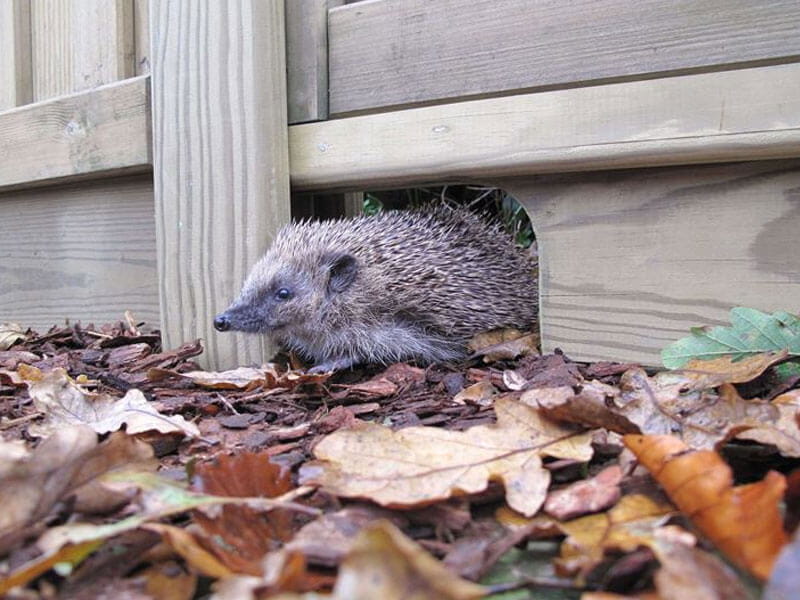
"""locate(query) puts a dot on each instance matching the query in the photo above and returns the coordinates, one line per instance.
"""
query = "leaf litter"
(127, 465)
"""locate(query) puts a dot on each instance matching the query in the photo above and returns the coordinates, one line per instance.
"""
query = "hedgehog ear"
(342, 269)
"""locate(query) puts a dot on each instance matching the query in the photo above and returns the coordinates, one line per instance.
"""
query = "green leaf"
(751, 332)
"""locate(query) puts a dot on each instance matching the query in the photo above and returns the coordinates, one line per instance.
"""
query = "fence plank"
(630, 260)
(399, 52)
(79, 252)
(80, 45)
(307, 59)
(102, 42)
(710, 117)
(141, 34)
(101, 132)
(51, 35)
(16, 86)
(220, 159)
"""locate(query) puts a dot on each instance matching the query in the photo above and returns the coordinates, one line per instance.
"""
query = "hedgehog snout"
(222, 322)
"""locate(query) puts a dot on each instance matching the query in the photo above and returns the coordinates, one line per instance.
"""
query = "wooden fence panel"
(630, 260)
(399, 52)
(220, 159)
(745, 114)
(79, 252)
(16, 85)
(90, 134)
(80, 45)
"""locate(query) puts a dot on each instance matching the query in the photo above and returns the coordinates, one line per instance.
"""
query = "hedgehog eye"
(283, 294)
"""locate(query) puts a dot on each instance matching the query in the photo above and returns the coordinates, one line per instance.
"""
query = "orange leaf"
(239, 536)
(744, 522)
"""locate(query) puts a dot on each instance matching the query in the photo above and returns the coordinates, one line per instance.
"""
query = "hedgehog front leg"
(336, 364)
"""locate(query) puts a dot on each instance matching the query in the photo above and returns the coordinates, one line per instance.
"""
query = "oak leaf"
(744, 522)
(384, 563)
(628, 525)
(64, 402)
(421, 465)
(685, 403)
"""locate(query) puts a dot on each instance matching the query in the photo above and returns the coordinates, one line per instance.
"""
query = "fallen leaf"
(377, 387)
(168, 581)
(751, 331)
(184, 544)
(688, 572)
(241, 378)
(10, 334)
(504, 344)
(586, 496)
(628, 525)
(713, 372)
(478, 394)
(784, 581)
(744, 522)
(39, 479)
(69, 554)
(159, 497)
(64, 402)
(676, 403)
(327, 539)
(420, 465)
(383, 563)
(10, 359)
(239, 536)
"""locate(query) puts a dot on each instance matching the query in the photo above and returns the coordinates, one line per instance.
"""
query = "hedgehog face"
(283, 299)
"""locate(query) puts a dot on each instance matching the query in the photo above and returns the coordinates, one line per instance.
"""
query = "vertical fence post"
(220, 159)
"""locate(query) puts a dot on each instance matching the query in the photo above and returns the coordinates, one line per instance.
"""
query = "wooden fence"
(148, 149)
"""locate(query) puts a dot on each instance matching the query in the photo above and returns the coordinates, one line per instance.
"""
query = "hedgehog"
(397, 286)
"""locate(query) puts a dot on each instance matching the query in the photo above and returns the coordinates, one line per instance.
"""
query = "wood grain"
(102, 42)
(307, 59)
(709, 117)
(81, 252)
(630, 260)
(78, 45)
(51, 38)
(16, 84)
(401, 52)
(104, 131)
(220, 159)
(141, 35)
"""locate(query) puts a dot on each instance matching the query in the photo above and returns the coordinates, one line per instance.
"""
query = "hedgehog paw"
(337, 364)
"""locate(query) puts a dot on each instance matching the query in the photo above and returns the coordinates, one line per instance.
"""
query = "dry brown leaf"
(479, 394)
(675, 402)
(421, 465)
(504, 344)
(711, 373)
(168, 581)
(587, 496)
(64, 402)
(11, 377)
(688, 572)
(326, 540)
(186, 545)
(377, 387)
(64, 464)
(630, 524)
(744, 522)
(383, 563)
(239, 536)
(241, 378)
(38, 480)
(71, 554)
(10, 334)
